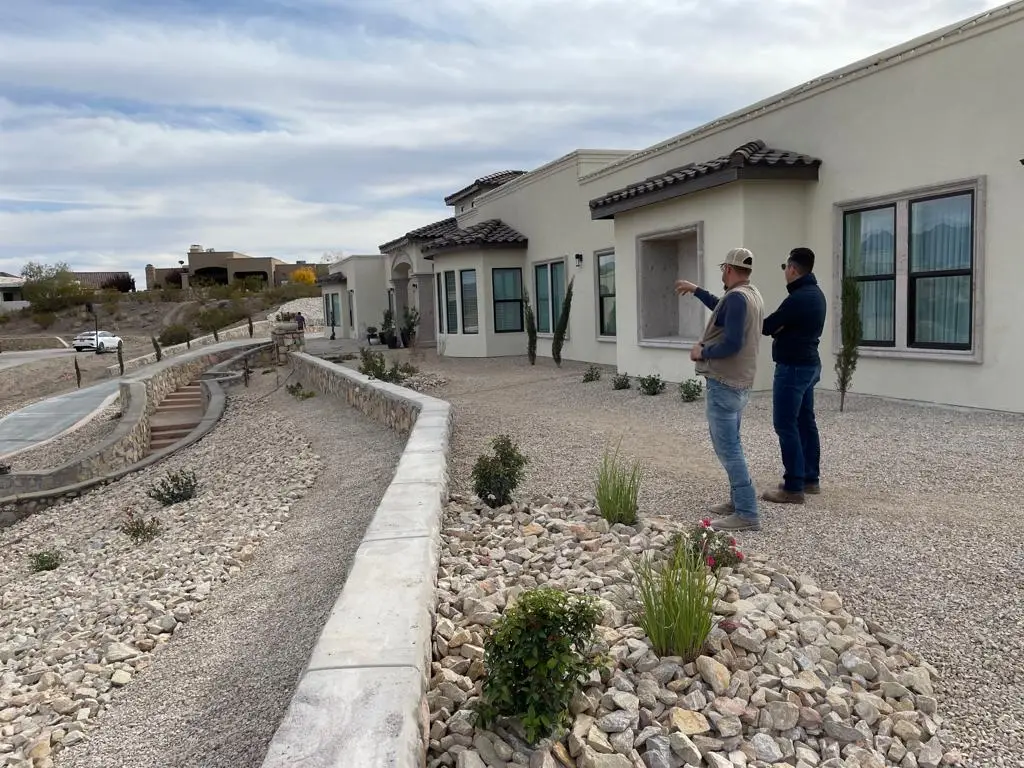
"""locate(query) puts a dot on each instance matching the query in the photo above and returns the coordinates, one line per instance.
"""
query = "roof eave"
(802, 172)
(462, 247)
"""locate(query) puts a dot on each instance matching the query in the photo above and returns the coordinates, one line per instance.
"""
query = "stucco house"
(905, 170)
(224, 267)
(11, 297)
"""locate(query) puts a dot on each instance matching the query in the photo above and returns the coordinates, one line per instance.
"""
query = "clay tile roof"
(755, 159)
(429, 232)
(484, 184)
(493, 233)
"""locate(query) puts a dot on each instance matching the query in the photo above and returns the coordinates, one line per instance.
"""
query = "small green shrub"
(5, 469)
(593, 373)
(717, 549)
(157, 349)
(496, 477)
(176, 486)
(674, 599)
(691, 390)
(618, 486)
(251, 329)
(375, 365)
(651, 385)
(534, 657)
(562, 326)
(4, 318)
(531, 329)
(175, 334)
(120, 358)
(49, 560)
(620, 381)
(44, 320)
(139, 529)
(296, 391)
(78, 374)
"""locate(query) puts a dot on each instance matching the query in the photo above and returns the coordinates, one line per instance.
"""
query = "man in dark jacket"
(796, 328)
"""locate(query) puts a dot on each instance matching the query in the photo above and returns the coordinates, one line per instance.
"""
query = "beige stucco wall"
(551, 209)
(485, 343)
(940, 117)
(365, 275)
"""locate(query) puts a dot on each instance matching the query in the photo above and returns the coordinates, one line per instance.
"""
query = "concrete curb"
(361, 701)
(261, 332)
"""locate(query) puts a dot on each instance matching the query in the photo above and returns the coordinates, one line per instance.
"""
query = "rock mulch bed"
(70, 637)
(788, 676)
(70, 445)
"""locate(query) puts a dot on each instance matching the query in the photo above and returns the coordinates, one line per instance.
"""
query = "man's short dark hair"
(803, 259)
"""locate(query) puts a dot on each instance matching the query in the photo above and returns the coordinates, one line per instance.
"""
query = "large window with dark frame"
(470, 312)
(549, 289)
(507, 298)
(606, 293)
(869, 256)
(451, 302)
(936, 233)
(440, 305)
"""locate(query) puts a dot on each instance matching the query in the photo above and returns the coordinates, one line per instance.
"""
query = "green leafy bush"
(651, 385)
(691, 390)
(44, 320)
(157, 349)
(674, 598)
(620, 381)
(5, 469)
(139, 529)
(49, 560)
(175, 334)
(534, 657)
(296, 391)
(375, 365)
(496, 477)
(618, 486)
(593, 373)
(175, 487)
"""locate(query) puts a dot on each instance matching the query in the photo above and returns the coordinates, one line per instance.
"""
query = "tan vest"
(738, 370)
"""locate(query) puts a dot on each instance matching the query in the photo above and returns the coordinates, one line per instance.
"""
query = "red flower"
(711, 562)
(739, 555)
(732, 542)
(706, 522)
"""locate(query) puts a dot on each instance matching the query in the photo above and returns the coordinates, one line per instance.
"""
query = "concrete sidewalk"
(43, 421)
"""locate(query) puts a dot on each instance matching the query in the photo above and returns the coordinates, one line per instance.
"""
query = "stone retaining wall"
(127, 445)
(361, 700)
(29, 343)
(260, 328)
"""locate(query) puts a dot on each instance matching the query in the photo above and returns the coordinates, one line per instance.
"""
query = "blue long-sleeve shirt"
(732, 318)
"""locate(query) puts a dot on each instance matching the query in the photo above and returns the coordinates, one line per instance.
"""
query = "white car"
(103, 341)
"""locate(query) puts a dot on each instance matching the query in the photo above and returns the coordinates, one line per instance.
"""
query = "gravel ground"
(919, 526)
(215, 695)
(72, 444)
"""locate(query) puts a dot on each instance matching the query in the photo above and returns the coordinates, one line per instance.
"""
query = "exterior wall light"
(579, 260)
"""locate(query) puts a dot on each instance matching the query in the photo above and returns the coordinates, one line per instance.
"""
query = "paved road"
(12, 359)
(46, 419)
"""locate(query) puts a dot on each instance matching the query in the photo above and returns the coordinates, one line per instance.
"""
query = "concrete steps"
(177, 415)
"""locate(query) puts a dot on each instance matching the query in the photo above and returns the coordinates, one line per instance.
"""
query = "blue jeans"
(725, 411)
(793, 417)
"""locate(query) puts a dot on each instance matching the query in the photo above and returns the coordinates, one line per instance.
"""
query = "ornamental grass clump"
(674, 598)
(618, 486)
(534, 657)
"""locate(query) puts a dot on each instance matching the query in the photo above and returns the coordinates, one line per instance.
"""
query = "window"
(507, 287)
(335, 308)
(606, 293)
(351, 309)
(440, 306)
(941, 262)
(470, 314)
(327, 308)
(914, 259)
(667, 320)
(869, 255)
(549, 287)
(451, 302)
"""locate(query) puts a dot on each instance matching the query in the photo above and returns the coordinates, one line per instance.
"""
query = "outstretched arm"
(707, 298)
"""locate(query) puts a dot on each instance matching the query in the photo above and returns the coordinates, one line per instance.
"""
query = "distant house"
(99, 280)
(903, 170)
(11, 297)
(224, 267)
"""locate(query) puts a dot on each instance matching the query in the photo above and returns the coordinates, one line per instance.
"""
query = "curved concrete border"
(77, 425)
(361, 701)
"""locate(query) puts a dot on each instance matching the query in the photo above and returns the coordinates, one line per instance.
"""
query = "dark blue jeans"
(793, 416)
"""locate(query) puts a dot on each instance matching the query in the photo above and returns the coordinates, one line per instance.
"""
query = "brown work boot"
(779, 496)
(811, 488)
(724, 509)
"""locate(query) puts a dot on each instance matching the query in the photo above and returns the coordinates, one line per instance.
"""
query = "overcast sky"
(130, 129)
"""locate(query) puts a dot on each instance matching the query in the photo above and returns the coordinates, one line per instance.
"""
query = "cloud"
(290, 127)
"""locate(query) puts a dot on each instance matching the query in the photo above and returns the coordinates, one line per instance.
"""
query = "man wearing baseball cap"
(727, 357)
